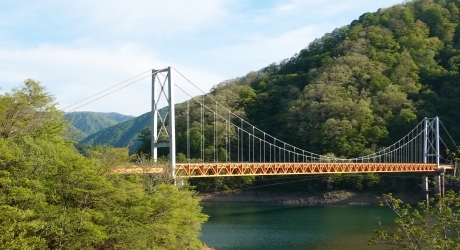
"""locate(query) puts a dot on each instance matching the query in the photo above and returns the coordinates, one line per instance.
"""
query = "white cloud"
(143, 18)
(339, 12)
(73, 74)
(261, 50)
(78, 48)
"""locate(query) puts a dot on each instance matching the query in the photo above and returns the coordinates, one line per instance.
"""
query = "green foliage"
(54, 197)
(431, 226)
(369, 86)
(354, 182)
(247, 96)
(144, 137)
(29, 110)
(217, 184)
(74, 134)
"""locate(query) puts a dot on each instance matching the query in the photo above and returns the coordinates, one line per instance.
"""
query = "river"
(265, 226)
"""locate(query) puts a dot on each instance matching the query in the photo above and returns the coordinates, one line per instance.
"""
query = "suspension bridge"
(231, 146)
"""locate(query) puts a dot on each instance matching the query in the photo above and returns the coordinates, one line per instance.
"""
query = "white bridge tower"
(163, 125)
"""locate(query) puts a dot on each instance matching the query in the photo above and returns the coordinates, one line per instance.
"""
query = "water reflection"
(279, 226)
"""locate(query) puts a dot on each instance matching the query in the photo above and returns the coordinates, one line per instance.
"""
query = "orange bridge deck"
(194, 170)
(244, 169)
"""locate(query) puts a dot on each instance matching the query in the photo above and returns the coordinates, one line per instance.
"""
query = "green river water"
(265, 226)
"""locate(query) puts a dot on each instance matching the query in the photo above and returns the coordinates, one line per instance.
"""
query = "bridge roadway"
(193, 170)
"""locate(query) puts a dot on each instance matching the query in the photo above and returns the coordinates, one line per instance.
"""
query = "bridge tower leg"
(162, 86)
(431, 148)
(425, 190)
(425, 140)
(440, 182)
(438, 153)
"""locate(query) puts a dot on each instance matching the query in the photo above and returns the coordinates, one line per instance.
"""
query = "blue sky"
(78, 48)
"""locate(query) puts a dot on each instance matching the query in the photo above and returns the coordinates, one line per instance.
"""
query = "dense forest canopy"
(364, 86)
(53, 196)
(360, 87)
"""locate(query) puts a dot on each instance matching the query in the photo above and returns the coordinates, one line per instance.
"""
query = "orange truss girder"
(245, 169)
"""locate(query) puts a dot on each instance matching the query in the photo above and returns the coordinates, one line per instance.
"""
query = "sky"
(79, 48)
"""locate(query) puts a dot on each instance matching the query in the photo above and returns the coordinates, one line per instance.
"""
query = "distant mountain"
(74, 133)
(92, 122)
(117, 116)
(123, 134)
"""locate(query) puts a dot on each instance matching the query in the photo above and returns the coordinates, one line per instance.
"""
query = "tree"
(434, 225)
(53, 196)
(145, 137)
(29, 110)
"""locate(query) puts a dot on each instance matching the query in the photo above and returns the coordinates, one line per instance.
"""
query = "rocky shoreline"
(326, 198)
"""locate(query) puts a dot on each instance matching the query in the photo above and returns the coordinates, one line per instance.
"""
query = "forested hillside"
(360, 87)
(120, 135)
(123, 134)
(92, 122)
(356, 89)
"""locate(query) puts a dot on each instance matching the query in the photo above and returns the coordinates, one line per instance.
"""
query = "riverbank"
(326, 198)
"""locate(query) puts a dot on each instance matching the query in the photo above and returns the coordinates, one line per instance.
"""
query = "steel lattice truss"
(244, 169)
(186, 170)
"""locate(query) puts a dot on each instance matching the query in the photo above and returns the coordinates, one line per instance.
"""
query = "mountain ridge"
(84, 123)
